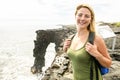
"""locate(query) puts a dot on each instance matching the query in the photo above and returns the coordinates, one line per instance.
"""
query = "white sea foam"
(16, 50)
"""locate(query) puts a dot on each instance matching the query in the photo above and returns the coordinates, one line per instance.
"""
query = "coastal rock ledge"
(61, 68)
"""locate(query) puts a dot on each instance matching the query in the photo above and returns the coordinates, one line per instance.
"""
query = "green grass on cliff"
(116, 24)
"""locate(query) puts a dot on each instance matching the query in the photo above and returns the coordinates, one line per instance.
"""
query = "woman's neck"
(82, 32)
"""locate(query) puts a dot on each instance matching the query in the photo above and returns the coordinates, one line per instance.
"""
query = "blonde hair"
(91, 26)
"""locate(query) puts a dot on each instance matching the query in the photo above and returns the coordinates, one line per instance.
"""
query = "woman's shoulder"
(99, 39)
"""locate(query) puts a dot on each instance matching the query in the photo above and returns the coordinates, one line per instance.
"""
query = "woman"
(80, 50)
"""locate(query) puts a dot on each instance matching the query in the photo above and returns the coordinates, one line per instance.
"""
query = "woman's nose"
(83, 17)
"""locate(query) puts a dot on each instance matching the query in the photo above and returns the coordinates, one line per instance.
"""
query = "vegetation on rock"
(116, 24)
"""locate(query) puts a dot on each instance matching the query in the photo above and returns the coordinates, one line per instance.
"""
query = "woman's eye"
(80, 15)
(87, 16)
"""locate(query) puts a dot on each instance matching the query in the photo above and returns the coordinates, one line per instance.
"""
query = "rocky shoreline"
(61, 67)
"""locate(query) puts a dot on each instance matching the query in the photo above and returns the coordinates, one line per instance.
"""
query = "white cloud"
(37, 12)
(107, 11)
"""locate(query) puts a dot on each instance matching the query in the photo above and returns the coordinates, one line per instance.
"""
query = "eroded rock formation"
(43, 39)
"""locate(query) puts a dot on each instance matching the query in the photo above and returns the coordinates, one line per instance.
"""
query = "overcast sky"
(38, 12)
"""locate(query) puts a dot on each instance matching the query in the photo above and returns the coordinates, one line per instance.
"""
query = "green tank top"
(81, 64)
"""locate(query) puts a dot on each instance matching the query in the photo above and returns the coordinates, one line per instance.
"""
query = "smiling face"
(83, 18)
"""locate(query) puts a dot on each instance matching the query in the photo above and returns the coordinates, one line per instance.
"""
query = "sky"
(17, 13)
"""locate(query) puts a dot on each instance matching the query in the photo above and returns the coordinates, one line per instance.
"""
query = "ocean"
(16, 52)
